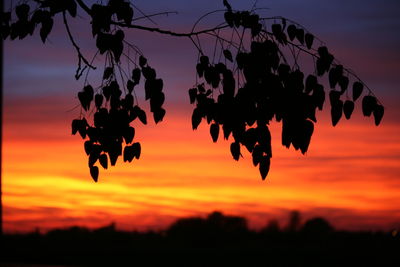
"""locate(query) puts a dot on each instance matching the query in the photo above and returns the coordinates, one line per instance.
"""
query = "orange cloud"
(350, 175)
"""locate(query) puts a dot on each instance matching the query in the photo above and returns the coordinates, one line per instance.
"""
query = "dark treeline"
(217, 240)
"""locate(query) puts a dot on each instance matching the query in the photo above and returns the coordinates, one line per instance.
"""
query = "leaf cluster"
(111, 134)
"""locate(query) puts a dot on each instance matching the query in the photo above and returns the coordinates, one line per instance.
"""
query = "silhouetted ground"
(218, 240)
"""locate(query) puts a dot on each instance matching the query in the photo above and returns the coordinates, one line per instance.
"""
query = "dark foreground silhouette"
(217, 240)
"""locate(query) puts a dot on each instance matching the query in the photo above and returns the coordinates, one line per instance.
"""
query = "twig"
(81, 58)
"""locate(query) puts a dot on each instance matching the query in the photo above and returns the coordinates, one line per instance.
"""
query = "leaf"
(103, 161)
(200, 70)
(368, 105)
(264, 166)
(235, 150)
(47, 25)
(72, 8)
(311, 83)
(336, 111)
(229, 18)
(22, 12)
(334, 96)
(84, 100)
(129, 154)
(204, 61)
(309, 38)
(156, 101)
(149, 73)
(307, 131)
(136, 75)
(291, 30)
(158, 115)
(300, 35)
(128, 101)
(196, 118)
(88, 147)
(94, 172)
(107, 73)
(75, 126)
(142, 116)
(348, 108)
(378, 114)
(88, 89)
(277, 30)
(142, 61)
(343, 83)
(130, 85)
(192, 95)
(98, 100)
(129, 134)
(137, 150)
(357, 90)
(257, 155)
(318, 96)
(214, 132)
(82, 128)
(228, 55)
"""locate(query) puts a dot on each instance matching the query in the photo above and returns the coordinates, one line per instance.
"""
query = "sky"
(350, 175)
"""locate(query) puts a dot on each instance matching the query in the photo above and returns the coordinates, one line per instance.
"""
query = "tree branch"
(81, 58)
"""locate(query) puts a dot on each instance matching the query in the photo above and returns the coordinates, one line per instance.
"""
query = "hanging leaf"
(265, 163)
(378, 114)
(72, 8)
(196, 118)
(204, 61)
(136, 75)
(75, 126)
(348, 108)
(235, 150)
(291, 30)
(200, 70)
(103, 161)
(142, 116)
(129, 134)
(192, 95)
(94, 172)
(22, 11)
(343, 83)
(311, 83)
(142, 61)
(158, 115)
(357, 90)
(98, 100)
(336, 111)
(309, 38)
(257, 155)
(229, 18)
(137, 150)
(306, 134)
(300, 35)
(334, 97)
(88, 147)
(228, 55)
(214, 131)
(107, 73)
(368, 105)
(84, 100)
(47, 25)
(129, 153)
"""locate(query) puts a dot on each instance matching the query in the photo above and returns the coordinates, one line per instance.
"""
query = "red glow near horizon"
(349, 176)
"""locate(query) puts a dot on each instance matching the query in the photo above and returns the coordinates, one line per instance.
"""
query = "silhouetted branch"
(81, 58)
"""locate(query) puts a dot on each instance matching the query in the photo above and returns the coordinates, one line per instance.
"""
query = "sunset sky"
(350, 175)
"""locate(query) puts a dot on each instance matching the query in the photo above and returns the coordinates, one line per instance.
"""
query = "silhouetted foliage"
(253, 78)
(217, 240)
